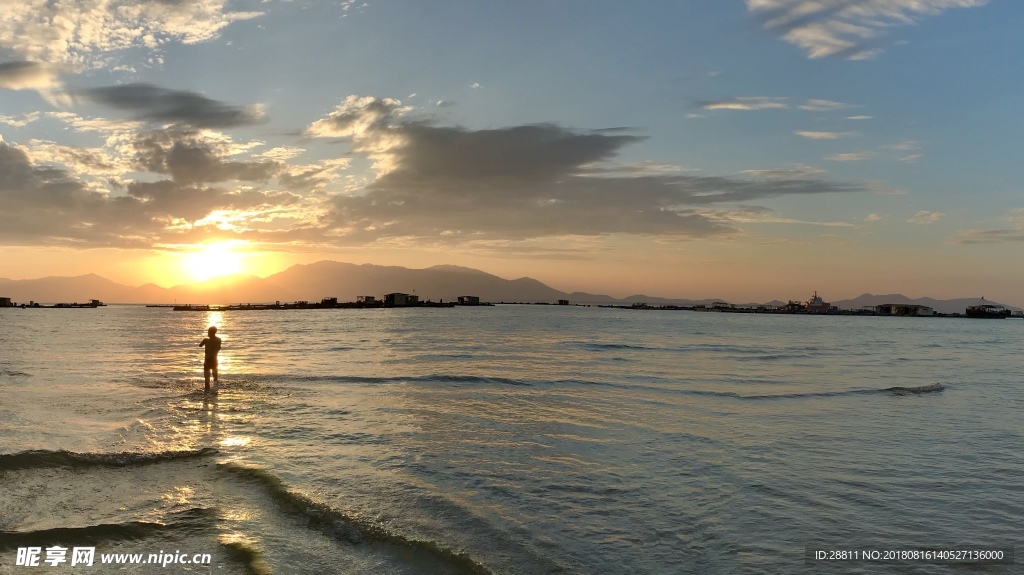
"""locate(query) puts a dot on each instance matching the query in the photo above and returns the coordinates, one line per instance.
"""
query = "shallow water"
(509, 440)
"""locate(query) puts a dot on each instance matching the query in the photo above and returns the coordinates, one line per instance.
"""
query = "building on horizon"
(366, 299)
(401, 300)
(6, 302)
(469, 300)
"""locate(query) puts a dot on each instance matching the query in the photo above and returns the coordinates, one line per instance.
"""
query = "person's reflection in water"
(212, 345)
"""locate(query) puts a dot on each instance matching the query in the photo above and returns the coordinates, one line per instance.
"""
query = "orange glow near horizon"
(202, 263)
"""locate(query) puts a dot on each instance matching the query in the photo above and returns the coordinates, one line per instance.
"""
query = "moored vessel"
(987, 311)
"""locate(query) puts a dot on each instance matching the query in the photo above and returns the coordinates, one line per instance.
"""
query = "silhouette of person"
(212, 345)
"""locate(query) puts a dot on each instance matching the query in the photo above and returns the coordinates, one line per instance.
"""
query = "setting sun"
(211, 261)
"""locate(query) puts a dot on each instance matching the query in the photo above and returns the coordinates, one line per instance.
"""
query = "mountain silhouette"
(346, 281)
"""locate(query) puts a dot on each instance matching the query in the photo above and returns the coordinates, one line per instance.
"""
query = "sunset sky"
(740, 149)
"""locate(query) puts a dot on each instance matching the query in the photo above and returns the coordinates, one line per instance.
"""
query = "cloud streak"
(824, 106)
(851, 156)
(793, 172)
(748, 103)
(1012, 234)
(824, 135)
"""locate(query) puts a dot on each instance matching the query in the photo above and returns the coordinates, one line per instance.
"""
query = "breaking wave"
(42, 459)
(195, 519)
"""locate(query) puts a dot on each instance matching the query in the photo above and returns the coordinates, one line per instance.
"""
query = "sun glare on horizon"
(212, 261)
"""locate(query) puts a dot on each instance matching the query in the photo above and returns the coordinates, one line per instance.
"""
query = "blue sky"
(747, 149)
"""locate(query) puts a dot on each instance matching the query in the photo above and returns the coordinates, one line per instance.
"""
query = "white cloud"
(19, 122)
(925, 217)
(80, 31)
(859, 118)
(824, 135)
(874, 218)
(347, 4)
(355, 115)
(845, 28)
(475, 85)
(911, 159)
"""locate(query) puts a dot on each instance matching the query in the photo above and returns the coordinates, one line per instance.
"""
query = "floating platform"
(327, 303)
(33, 305)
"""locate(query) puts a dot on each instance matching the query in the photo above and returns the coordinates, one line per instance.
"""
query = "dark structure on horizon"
(400, 300)
(904, 310)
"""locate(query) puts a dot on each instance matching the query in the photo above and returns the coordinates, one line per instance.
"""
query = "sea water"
(508, 439)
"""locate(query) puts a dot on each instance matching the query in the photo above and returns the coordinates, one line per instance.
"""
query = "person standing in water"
(212, 345)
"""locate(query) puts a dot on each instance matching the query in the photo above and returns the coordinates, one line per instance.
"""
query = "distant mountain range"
(347, 281)
(940, 305)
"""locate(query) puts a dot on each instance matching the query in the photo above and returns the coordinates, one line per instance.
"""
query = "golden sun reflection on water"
(179, 496)
(235, 441)
(215, 319)
(235, 515)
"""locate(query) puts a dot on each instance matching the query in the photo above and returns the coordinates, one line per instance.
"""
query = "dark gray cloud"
(156, 104)
(187, 158)
(522, 153)
(448, 183)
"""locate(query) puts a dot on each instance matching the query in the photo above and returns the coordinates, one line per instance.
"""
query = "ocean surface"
(509, 440)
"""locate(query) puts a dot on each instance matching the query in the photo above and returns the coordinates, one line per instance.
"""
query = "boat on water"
(818, 305)
(988, 311)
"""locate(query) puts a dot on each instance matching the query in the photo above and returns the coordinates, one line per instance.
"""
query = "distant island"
(349, 281)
